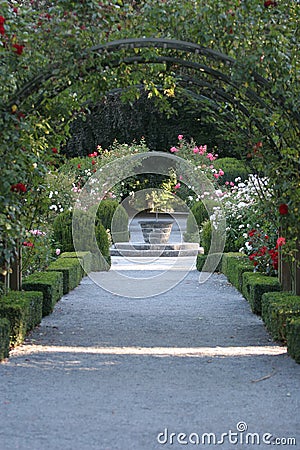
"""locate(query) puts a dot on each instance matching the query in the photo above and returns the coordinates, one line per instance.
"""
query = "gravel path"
(105, 372)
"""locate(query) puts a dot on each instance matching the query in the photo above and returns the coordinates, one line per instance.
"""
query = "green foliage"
(293, 338)
(119, 225)
(86, 259)
(106, 211)
(206, 233)
(254, 99)
(192, 230)
(229, 259)
(50, 284)
(102, 240)
(37, 251)
(114, 119)
(71, 270)
(200, 213)
(23, 311)
(62, 231)
(254, 285)
(114, 217)
(277, 309)
(233, 266)
(4, 338)
(233, 168)
(214, 261)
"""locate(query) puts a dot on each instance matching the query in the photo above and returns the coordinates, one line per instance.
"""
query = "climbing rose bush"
(263, 251)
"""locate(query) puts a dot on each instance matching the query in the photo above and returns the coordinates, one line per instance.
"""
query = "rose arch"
(218, 82)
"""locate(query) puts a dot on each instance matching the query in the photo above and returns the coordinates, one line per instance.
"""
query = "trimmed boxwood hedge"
(236, 265)
(69, 225)
(293, 338)
(24, 312)
(201, 259)
(50, 284)
(232, 168)
(254, 285)
(230, 260)
(4, 338)
(71, 270)
(86, 259)
(277, 308)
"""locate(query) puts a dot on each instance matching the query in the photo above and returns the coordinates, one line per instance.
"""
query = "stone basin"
(156, 231)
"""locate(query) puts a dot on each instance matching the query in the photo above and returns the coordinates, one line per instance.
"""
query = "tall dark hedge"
(126, 122)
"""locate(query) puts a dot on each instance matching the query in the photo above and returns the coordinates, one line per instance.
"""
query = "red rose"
(21, 115)
(78, 166)
(2, 30)
(28, 244)
(251, 233)
(18, 48)
(19, 187)
(2, 20)
(54, 150)
(283, 209)
(93, 162)
(262, 251)
(275, 264)
(280, 242)
(269, 3)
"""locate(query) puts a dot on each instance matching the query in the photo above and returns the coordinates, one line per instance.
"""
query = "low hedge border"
(71, 270)
(293, 338)
(23, 310)
(277, 308)
(86, 260)
(233, 266)
(254, 285)
(50, 284)
(212, 265)
(4, 338)
(229, 261)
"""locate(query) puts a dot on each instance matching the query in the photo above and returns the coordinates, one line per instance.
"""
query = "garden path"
(105, 372)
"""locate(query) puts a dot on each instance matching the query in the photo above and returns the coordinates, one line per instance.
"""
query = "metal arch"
(172, 44)
(168, 44)
(188, 64)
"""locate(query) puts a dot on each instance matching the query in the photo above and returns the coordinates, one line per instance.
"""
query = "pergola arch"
(217, 83)
(196, 69)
